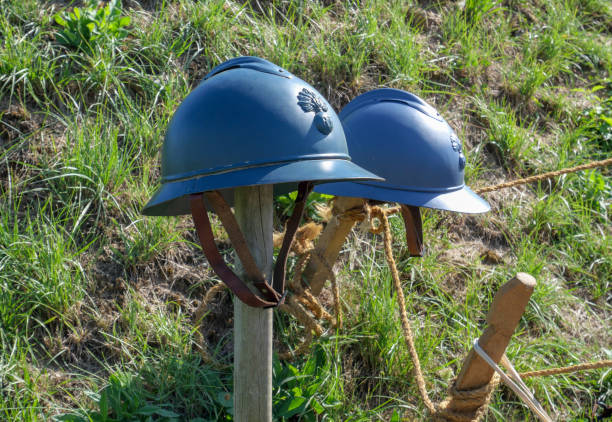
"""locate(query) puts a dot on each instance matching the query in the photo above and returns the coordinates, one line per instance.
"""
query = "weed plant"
(86, 27)
(97, 303)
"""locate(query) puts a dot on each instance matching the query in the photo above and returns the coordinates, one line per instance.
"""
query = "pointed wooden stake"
(506, 310)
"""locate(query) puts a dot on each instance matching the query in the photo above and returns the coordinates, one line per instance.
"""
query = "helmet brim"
(172, 197)
(462, 200)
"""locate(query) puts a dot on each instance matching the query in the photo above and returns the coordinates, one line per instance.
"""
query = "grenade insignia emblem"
(309, 101)
(456, 144)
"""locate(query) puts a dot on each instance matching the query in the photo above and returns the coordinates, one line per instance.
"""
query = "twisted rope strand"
(474, 403)
(292, 307)
(303, 299)
(379, 213)
(544, 176)
(478, 398)
(568, 369)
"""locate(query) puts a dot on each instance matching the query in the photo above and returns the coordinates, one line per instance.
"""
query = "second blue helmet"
(401, 138)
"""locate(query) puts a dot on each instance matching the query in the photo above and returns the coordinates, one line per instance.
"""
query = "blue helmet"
(400, 137)
(250, 122)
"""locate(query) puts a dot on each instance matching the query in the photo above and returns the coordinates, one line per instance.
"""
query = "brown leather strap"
(254, 274)
(207, 240)
(414, 229)
(275, 295)
(304, 188)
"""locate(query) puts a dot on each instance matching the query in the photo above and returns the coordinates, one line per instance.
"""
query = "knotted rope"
(473, 403)
(300, 298)
(545, 176)
(356, 214)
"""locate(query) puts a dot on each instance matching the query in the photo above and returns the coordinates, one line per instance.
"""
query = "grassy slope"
(92, 295)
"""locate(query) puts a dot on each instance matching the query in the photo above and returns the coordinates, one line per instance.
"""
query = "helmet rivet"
(461, 161)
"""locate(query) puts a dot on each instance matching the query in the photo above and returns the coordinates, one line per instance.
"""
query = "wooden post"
(330, 242)
(253, 326)
(508, 306)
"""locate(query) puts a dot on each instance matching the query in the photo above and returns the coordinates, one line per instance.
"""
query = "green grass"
(97, 302)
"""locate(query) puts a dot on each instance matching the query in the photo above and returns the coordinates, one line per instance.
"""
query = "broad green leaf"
(59, 20)
(147, 410)
(166, 413)
(71, 418)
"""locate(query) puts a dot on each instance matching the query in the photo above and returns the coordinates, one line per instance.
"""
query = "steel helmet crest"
(250, 122)
(400, 137)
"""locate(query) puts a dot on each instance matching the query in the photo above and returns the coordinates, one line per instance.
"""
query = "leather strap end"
(304, 188)
(414, 229)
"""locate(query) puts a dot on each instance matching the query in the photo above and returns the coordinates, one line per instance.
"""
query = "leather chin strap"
(269, 295)
(414, 229)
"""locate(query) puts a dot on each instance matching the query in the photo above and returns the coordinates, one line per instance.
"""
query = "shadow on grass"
(173, 388)
(183, 388)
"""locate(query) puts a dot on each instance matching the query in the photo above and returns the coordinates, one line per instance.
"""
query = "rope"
(545, 176)
(469, 405)
(380, 214)
(302, 298)
(474, 403)
(335, 285)
(294, 308)
(568, 369)
(308, 299)
(354, 214)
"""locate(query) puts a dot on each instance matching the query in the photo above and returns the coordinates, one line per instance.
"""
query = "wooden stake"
(506, 310)
(253, 326)
(330, 242)
(508, 306)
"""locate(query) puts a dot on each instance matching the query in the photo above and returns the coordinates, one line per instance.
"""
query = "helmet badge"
(456, 144)
(309, 101)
